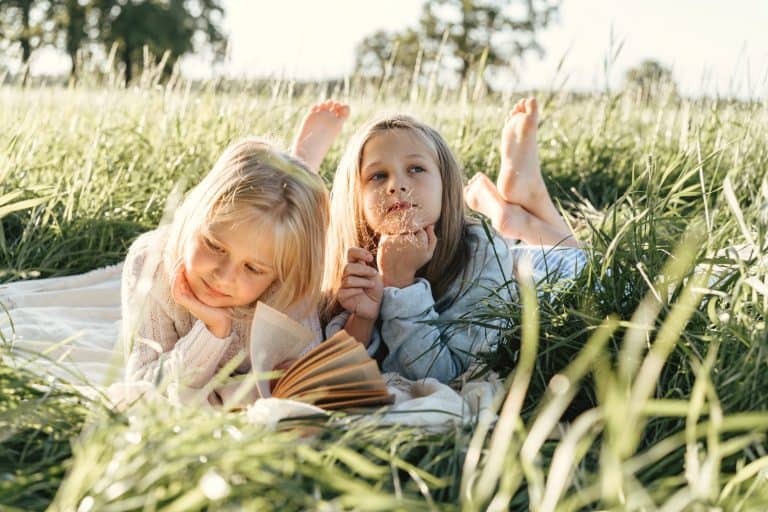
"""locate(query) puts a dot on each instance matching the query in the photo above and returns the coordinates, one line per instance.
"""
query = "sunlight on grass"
(639, 386)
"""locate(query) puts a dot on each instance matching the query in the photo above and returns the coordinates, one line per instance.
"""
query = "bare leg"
(520, 180)
(512, 220)
(319, 129)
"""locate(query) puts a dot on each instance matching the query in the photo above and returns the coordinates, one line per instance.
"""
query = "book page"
(319, 399)
(342, 354)
(365, 371)
(366, 388)
(275, 337)
(337, 343)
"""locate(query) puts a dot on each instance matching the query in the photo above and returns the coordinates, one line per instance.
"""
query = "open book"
(336, 374)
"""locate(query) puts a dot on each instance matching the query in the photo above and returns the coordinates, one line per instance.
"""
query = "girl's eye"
(377, 176)
(253, 270)
(212, 245)
(417, 168)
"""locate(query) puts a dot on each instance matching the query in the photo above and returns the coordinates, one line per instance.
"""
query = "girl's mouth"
(399, 206)
(211, 290)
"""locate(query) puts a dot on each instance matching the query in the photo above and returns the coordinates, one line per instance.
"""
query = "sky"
(712, 46)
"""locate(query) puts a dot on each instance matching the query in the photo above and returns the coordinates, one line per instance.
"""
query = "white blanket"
(75, 322)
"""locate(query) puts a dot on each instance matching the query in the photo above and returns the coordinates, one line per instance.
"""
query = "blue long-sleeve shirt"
(416, 328)
(414, 325)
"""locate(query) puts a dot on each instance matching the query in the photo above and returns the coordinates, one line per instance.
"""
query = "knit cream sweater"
(166, 340)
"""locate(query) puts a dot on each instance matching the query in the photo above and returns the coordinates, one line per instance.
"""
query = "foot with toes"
(518, 204)
(520, 179)
(319, 129)
(482, 196)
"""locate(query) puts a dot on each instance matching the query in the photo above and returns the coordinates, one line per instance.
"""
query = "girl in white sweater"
(252, 230)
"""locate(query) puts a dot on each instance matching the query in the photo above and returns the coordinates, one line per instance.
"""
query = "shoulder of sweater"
(486, 250)
(488, 259)
(148, 249)
(151, 242)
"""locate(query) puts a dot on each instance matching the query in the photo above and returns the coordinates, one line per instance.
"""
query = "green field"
(660, 361)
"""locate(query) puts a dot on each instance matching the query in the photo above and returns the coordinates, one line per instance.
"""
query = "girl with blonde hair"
(252, 230)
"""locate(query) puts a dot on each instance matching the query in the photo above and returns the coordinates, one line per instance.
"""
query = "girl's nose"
(225, 272)
(394, 187)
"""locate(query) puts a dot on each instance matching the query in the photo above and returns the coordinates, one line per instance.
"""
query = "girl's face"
(231, 265)
(400, 183)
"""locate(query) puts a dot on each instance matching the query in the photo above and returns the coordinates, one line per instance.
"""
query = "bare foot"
(482, 196)
(511, 220)
(319, 129)
(520, 179)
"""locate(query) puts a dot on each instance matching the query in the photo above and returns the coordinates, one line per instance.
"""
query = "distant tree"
(73, 21)
(496, 27)
(649, 78)
(24, 22)
(381, 50)
(466, 32)
(178, 26)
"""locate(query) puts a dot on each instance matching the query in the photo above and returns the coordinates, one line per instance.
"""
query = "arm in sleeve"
(157, 352)
(424, 343)
(338, 322)
(554, 268)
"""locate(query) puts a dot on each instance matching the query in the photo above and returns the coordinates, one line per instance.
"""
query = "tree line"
(126, 27)
(451, 38)
(452, 34)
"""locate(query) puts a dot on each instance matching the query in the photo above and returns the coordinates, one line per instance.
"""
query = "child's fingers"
(358, 282)
(179, 285)
(183, 296)
(359, 269)
(348, 294)
(182, 291)
(392, 241)
(357, 254)
(425, 237)
(420, 238)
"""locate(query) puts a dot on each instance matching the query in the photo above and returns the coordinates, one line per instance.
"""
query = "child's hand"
(361, 285)
(400, 256)
(217, 320)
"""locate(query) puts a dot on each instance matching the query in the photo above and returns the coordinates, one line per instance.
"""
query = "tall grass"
(639, 386)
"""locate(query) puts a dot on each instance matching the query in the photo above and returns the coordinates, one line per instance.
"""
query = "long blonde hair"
(349, 229)
(253, 179)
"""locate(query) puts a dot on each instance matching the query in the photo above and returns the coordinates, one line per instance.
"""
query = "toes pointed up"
(531, 106)
(319, 128)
